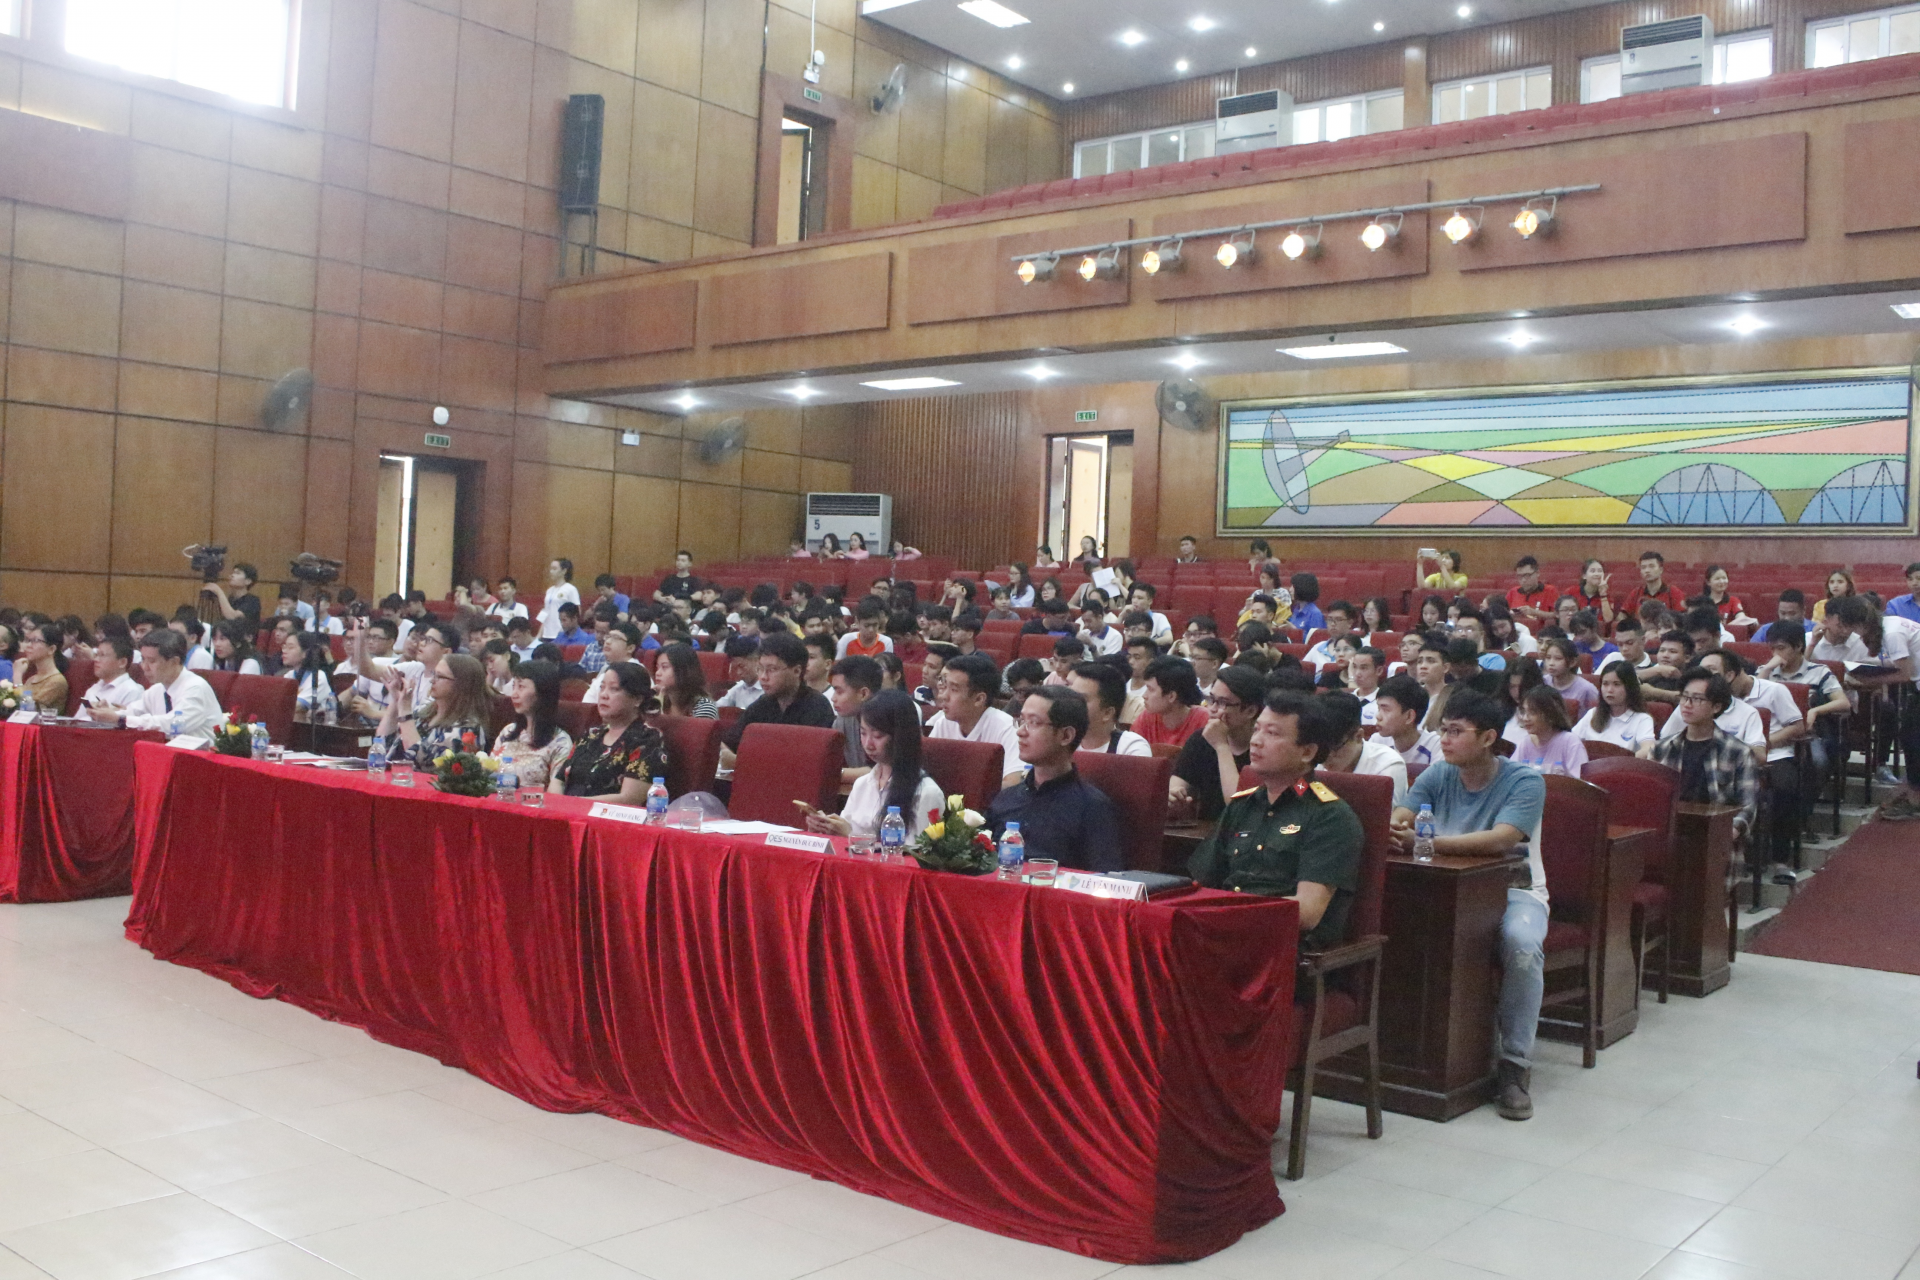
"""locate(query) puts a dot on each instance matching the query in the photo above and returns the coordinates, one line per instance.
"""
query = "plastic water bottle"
(506, 784)
(176, 722)
(258, 733)
(1423, 834)
(893, 833)
(27, 704)
(1013, 853)
(657, 803)
(377, 757)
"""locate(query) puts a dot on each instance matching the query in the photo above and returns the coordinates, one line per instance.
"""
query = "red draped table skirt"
(1098, 1076)
(66, 812)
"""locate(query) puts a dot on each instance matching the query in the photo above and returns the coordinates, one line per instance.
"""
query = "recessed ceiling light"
(876, 6)
(1197, 24)
(1131, 37)
(1464, 11)
(688, 401)
(993, 11)
(1014, 63)
(1521, 338)
(1067, 87)
(1379, 26)
(1040, 373)
(1744, 325)
(1182, 66)
(1343, 350)
(1252, 52)
(1907, 310)
(910, 384)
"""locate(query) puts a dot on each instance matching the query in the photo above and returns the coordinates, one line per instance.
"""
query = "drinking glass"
(533, 797)
(1041, 871)
(276, 754)
(862, 846)
(402, 771)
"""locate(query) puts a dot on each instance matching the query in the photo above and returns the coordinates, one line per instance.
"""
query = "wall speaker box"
(580, 152)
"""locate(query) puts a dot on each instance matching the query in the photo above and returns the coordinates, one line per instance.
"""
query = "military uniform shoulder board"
(1249, 791)
(1325, 792)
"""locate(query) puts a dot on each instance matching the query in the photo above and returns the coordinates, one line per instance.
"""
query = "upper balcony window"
(242, 48)
(1498, 95)
(9, 17)
(1312, 122)
(1860, 37)
(1745, 55)
(1346, 117)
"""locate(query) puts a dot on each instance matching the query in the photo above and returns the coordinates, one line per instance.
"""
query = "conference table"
(66, 811)
(1097, 1075)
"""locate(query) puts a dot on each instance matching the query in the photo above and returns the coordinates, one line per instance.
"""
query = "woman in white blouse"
(1621, 718)
(560, 590)
(890, 735)
(533, 744)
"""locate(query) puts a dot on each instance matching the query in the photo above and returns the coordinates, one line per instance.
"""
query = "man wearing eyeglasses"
(1486, 806)
(1715, 766)
(1208, 767)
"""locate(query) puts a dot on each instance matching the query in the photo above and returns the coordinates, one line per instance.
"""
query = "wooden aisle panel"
(1879, 196)
(1697, 898)
(596, 324)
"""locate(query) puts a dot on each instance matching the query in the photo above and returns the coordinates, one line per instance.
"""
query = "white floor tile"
(1384, 1212)
(25, 1137)
(1516, 1244)
(720, 1176)
(448, 1241)
(727, 1241)
(135, 1240)
(1302, 1251)
(1864, 1205)
(389, 1120)
(829, 1209)
(64, 1186)
(1629, 1157)
(585, 1206)
(575, 1264)
(480, 1159)
(275, 1262)
(15, 1267)
(312, 1198)
(116, 1119)
(1804, 1250)
(1459, 1172)
(207, 1157)
(1614, 1207)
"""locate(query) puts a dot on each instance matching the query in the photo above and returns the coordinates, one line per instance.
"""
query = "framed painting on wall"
(1824, 453)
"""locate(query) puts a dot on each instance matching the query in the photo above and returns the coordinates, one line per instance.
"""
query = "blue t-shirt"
(1515, 796)
(1904, 607)
(1307, 617)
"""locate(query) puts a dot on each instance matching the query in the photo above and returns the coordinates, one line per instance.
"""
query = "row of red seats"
(1200, 173)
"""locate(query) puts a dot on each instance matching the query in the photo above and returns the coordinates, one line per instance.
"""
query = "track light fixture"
(1038, 268)
(1102, 265)
(1238, 249)
(1536, 217)
(1382, 231)
(1463, 224)
(1302, 242)
(1164, 256)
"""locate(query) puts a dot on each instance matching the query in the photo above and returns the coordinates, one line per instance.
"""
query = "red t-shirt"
(1669, 595)
(856, 648)
(1541, 598)
(1729, 608)
(1154, 730)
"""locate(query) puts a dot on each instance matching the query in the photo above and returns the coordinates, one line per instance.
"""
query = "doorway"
(426, 527)
(1089, 493)
(802, 211)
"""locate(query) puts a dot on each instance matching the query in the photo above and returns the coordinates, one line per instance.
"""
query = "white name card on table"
(24, 717)
(800, 840)
(189, 742)
(618, 812)
(1100, 886)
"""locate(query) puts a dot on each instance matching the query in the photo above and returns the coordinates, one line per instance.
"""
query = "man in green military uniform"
(1289, 837)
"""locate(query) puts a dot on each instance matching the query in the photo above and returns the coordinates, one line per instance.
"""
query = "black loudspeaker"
(580, 153)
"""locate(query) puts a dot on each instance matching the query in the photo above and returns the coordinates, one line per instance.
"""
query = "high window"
(242, 48)
(1744, 55)
(1312, 122)
(1859, 37)
(9, 17)
(1346, 117)
(1497, 95)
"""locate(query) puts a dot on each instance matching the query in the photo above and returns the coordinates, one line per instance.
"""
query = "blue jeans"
(1523, 961)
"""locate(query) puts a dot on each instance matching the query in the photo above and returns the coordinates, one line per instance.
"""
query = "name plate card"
(618, 812)
(1100, 886)
(800, 840)
(189, 742)
(23, 717)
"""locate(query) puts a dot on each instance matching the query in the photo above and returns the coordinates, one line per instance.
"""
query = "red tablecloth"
(1094, 1075)
(66, 812)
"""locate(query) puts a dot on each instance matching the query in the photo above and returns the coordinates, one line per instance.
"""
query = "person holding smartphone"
(890, 735)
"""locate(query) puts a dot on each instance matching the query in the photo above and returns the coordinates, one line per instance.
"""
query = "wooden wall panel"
(974, 279)
(947, 463)
(841, 295)
(621, 322)
(710, 521)
(163, 493)
(1716, 194)
(64, 166)
(63, 593)
(56, 490)
(1343, 259)
(1878, 195)
(646, 522)
(262, 522)
(768, 521)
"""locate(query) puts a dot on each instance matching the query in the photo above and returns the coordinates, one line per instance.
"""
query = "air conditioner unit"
(1666, 55)
(844, 514)
(1252, 121)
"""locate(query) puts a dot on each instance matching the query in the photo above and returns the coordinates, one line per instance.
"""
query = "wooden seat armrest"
(1343, 956)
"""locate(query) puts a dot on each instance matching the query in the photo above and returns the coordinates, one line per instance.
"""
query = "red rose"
(933, 816)
(456, 770)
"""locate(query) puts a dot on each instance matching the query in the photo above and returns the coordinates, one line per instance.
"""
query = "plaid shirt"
(1731, 775)
(594, 659)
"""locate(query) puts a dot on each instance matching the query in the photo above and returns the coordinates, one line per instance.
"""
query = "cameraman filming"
(236, 599)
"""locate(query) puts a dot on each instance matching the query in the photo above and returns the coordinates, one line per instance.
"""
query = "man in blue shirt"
(570, 630)
(1908, 605)
(610, 594)
(1486, 806)
(1061, 815)
(1790, 612)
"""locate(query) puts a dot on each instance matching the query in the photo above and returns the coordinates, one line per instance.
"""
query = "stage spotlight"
(1301, 242)
(1164, 256)
(1037, 269)
(1237, 250)
(1382, 231)
(1104, 265)
(1536, 217)
(1463, 224)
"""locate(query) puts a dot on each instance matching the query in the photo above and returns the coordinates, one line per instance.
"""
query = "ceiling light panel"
(1343, 350)
(881, 6)
(910, 384)
(1907, 310)
(992, 11)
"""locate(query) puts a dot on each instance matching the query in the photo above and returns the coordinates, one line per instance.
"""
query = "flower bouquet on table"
(232, 738)
(956, 841)
(9, 698)
(466, 772)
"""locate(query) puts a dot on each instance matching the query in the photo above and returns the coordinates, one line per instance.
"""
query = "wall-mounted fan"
(287, 401)
(892, 90)
(724, 440)
(1185, 405)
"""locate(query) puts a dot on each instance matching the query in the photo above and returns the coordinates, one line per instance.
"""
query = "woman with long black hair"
(533, 744)
(890, 735)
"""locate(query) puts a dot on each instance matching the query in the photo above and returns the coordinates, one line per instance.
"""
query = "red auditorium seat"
(714, 667)
(693, 752)
(1642, 795)
(79, 679)
(1573, 836)
(1137, 785)
(781, 763)
(266, 698)
(969, 769)
(222, 682)
(577, 717)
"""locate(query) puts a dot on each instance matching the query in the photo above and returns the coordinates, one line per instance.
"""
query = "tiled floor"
(155, 1122)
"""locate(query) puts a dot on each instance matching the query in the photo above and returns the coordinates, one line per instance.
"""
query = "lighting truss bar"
(1349, 215)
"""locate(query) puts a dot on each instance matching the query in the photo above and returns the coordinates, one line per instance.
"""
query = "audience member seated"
(1893, 646)
(677, 675)
(307, 659)
(1207, 770)
(1654, 587)
(865, 641)
(199, 656)
(532, 745)
(1661, 681)
(1529, 597)
(1354, 749)
(430, 642)
(1290, 836)
(233, 649)
(1716, 767)
(1061, 816)
(1486, 806)
(1560, 667)
(41, 668)
(1170, 710)
(1398, 711)
(1448, 575)
(1306, 615)
(967, 690)
(112, 687)
(889, 732)
(1548, 743)
(1620, 719)
(1105, 690)
(1826, 697)
(784, 695)
(177, 699)
(1365, 669)
(850, 683)
(618, 759)
(457, 704)
(1908, 605)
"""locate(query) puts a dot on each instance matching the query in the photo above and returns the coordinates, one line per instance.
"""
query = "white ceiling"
(1721, 321)
(1079, 41)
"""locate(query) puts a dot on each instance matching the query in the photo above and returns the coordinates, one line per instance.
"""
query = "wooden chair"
(1643, 795)
(1573, 848)
(270, 698)
(780, 763)
(1137, 785)
(693, 752)
(1331, 1020)
(971, 770)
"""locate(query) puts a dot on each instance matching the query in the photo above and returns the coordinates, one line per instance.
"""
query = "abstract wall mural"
(1806, 453)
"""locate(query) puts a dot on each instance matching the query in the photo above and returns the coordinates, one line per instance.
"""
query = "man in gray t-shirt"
(1487, 806)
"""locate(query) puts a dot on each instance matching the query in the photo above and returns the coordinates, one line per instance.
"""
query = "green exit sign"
(437, 441)
(1087, 415)
(812, 95)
